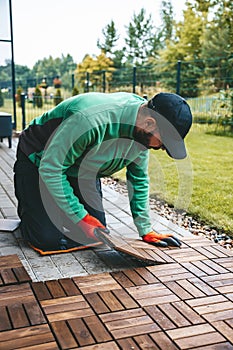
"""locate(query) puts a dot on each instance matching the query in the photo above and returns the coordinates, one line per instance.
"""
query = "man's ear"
(149, 124)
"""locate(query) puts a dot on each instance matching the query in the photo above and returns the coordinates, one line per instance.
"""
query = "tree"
(110, 38)
(167, 28)
(94, 66)
(185, 47)
(140, 40)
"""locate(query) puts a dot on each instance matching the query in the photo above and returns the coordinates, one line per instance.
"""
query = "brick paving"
(99, 299)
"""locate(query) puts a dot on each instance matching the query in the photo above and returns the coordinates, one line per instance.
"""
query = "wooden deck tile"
(96, 283)
(66, 308)
(26, 338)
(198, 335)
(129, 323)
(12, 270)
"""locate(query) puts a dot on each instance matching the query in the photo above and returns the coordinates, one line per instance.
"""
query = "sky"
(54, 27)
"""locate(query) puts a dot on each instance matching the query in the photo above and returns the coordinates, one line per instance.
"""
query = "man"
(63, 154)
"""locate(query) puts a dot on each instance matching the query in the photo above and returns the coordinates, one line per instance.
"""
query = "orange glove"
(89, 224)
(161, 240)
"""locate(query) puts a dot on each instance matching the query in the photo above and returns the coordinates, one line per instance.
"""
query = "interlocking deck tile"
(28, 338)
(12, 270)
(96, 283)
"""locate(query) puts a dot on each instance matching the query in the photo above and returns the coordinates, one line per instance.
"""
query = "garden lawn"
(202, 184)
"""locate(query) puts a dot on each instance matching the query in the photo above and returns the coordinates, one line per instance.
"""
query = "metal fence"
(197, 81)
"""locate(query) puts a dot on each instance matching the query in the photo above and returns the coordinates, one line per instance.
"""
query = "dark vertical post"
(134, 79)
(13, 67)
(72, 81)
(104, 80)
(23, 110)
(87, 82)
(178, 77)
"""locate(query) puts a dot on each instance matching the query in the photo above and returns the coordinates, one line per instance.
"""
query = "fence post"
(22, 97)
(72, 81)
(178, 77)
(87, 82)
(134, 79)
(104, 80)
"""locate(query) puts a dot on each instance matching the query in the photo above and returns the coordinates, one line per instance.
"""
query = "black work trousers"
(53, 230)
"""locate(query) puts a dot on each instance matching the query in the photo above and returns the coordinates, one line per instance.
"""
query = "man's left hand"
(161, 240)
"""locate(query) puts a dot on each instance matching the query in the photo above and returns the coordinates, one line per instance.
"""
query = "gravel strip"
(181, 219)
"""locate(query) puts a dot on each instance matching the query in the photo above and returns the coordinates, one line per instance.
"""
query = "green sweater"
(90, 136)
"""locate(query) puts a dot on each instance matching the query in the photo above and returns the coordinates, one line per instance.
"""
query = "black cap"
(174, 119)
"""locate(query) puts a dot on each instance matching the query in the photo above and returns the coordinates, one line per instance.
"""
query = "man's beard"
(143, 138)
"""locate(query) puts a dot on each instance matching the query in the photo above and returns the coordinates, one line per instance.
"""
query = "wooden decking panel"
(185, 304)
(12, 270)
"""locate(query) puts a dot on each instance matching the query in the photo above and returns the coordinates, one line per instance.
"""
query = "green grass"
(202, 184)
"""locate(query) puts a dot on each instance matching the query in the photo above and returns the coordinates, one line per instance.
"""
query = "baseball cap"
(174, 119)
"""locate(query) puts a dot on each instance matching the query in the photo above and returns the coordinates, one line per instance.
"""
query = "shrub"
(57, 97)
(37, 98)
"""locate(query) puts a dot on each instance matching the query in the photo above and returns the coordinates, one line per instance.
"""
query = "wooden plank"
(191, 288)
(96, 303)
(134, 277)
(125, 299)
(146, 275)
(69, 315)
(193, 268)
(8, 276)
(21, 274)
(4, 319)
(208, 300)
(41, 291)
(175, 315)
(63, 335)
(219, 316)
(121, 278)
(81, 332)
(55, 289)
(190, 331)
(18, 316)
(219, 346)
(34, 313)
(97, 329)
(69, 286)
(9, 261)
(178, 290)
(203, 286)
(145, 342)
(127, 344)
(104, 346)
(159, 317)
(215, 266)
(111, 301)
(163, 341)
(188, 312)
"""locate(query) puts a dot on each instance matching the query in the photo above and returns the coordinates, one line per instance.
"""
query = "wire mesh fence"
(206, 84)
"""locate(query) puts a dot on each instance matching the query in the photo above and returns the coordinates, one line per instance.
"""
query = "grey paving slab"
(91, 261)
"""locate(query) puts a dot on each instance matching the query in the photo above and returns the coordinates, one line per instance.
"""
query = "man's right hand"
(89, 224)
